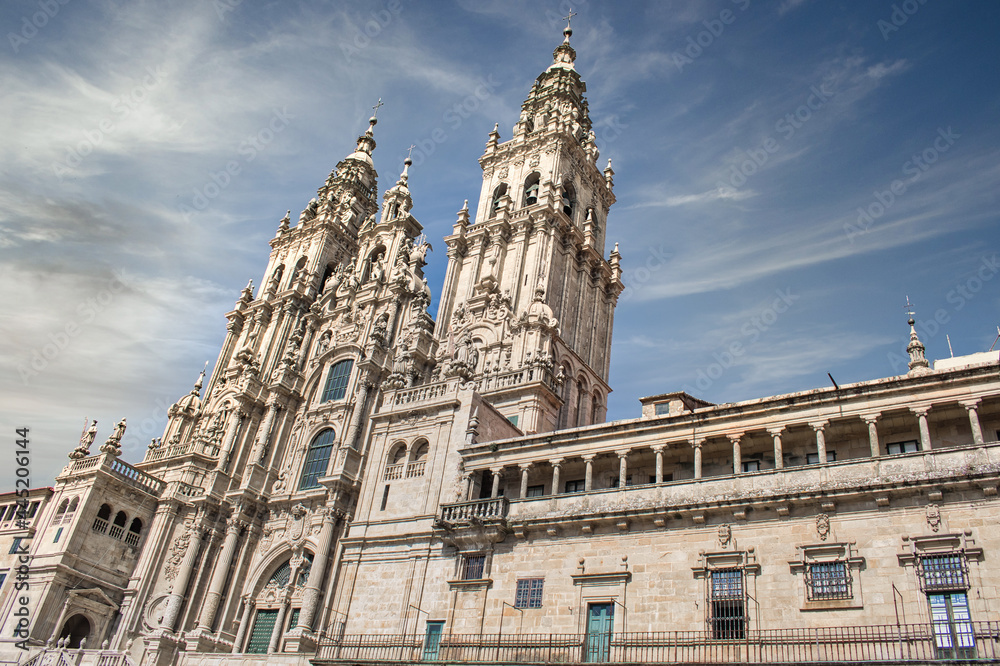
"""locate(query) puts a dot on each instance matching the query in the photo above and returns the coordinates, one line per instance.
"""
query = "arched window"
(568, 201)
(73, 505)
(595, 405)
(63, 506)
(531, 189)
(282, 574)
(418, 459)
(299, 265)
(336, 381)
(374, 257)
(398, 454)
(317, 459)
(134, 531)
(497, 195)
(118, 527)
(101, 521)
(420, 450)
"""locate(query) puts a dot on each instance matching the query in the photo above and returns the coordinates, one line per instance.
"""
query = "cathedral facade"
(360, 481)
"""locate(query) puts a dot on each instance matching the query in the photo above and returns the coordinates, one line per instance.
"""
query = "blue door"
(432, 640)
(600, 621)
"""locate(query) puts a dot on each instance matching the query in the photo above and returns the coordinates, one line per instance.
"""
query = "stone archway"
(76, 628)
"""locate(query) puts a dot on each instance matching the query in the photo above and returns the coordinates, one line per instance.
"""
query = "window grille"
(263, 626)
(943, 572)
(472, 567)
(336, 381)
(829, 580)
(529, 593)
(727, 603)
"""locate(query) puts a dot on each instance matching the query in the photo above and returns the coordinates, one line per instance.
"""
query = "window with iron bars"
(945, 572)
(473, 566)
(828, 580)
(727, 603)
(529, 593)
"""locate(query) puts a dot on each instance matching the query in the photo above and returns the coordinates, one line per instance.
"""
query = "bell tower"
(529, 297)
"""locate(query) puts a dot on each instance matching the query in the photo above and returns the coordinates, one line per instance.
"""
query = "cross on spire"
(409, 153)
(377, 107)
(909, 307)
(568, 17)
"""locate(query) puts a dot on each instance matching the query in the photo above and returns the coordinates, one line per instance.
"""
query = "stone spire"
(918, 363)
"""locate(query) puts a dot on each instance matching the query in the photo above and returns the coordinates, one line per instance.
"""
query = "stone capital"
(697, 442)
(775, 431)
(524, 467)
(970, 405)
(556, 462)
(623, 453)
(818, 425)
(659, 448)
(735, 437)
(921, 410)
(871, 418)
(588, 458)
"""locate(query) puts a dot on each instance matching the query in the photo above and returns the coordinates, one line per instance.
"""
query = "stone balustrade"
(495, 508)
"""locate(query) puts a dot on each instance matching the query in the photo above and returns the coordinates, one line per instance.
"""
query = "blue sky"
(745, 136)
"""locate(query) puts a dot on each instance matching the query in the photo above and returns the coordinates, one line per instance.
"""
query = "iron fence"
(872, 643)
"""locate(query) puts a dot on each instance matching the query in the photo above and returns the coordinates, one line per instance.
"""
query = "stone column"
(818, 428)
(871, 420)
(264, 432)
(588, 478)
(525, 468)
(925, 431)
(230, 438)
(972, 406)
(211, 604)
(658, 450)
(737, 453)
(696, 444)
(497, 476)
(556, 464)
(176, 597)
(467, 480)
(393, 311)
(241, 633)
(359, 410)
(310, 595)
(279, 623)
(779, 454)
(622, 467)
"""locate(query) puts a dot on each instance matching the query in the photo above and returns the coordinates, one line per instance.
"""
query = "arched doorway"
(77, 628)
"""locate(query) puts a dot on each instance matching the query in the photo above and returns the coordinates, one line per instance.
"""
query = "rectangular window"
(3, 577)
(953, 634)
(336, 381)
(575, 486)
(727, 603)
(58, 534)
(385, 498)
(293, 618)
(947, 572)
(813, 458)
(529, 593)
(751, 465)
(535, 491)
(260, 637)
(616, 479)
(828, 580)
(472, 566)
(909, 446)
(16, 546)
(661, 408)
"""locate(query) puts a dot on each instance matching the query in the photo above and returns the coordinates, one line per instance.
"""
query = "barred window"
(943, 572)
(529, 593)
(317, 459)
(336, 381)
(472, 567)
(828, 580)
(727, 602)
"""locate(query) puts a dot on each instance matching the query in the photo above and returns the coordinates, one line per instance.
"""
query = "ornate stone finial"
(112, 445)
(285, 222)
(86, 439)
(918, 362)
(201, 381)
(245, 296)
(568, 31)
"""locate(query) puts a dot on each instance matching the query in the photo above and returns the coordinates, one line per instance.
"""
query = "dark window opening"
(727, 604)
(910, 446)
(473, 566)
(828, 580)
(385, 498)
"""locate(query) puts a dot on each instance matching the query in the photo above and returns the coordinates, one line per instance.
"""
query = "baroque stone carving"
(823, 526)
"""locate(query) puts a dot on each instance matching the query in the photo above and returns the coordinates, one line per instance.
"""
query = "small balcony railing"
(491, 509)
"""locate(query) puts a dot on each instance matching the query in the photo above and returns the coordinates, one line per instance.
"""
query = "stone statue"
(86, 439)
(113, 443)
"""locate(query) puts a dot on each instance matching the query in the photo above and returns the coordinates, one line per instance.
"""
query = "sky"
(788, 173)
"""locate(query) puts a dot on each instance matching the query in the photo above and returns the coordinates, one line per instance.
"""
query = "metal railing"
(873, 643)
(485, 509)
